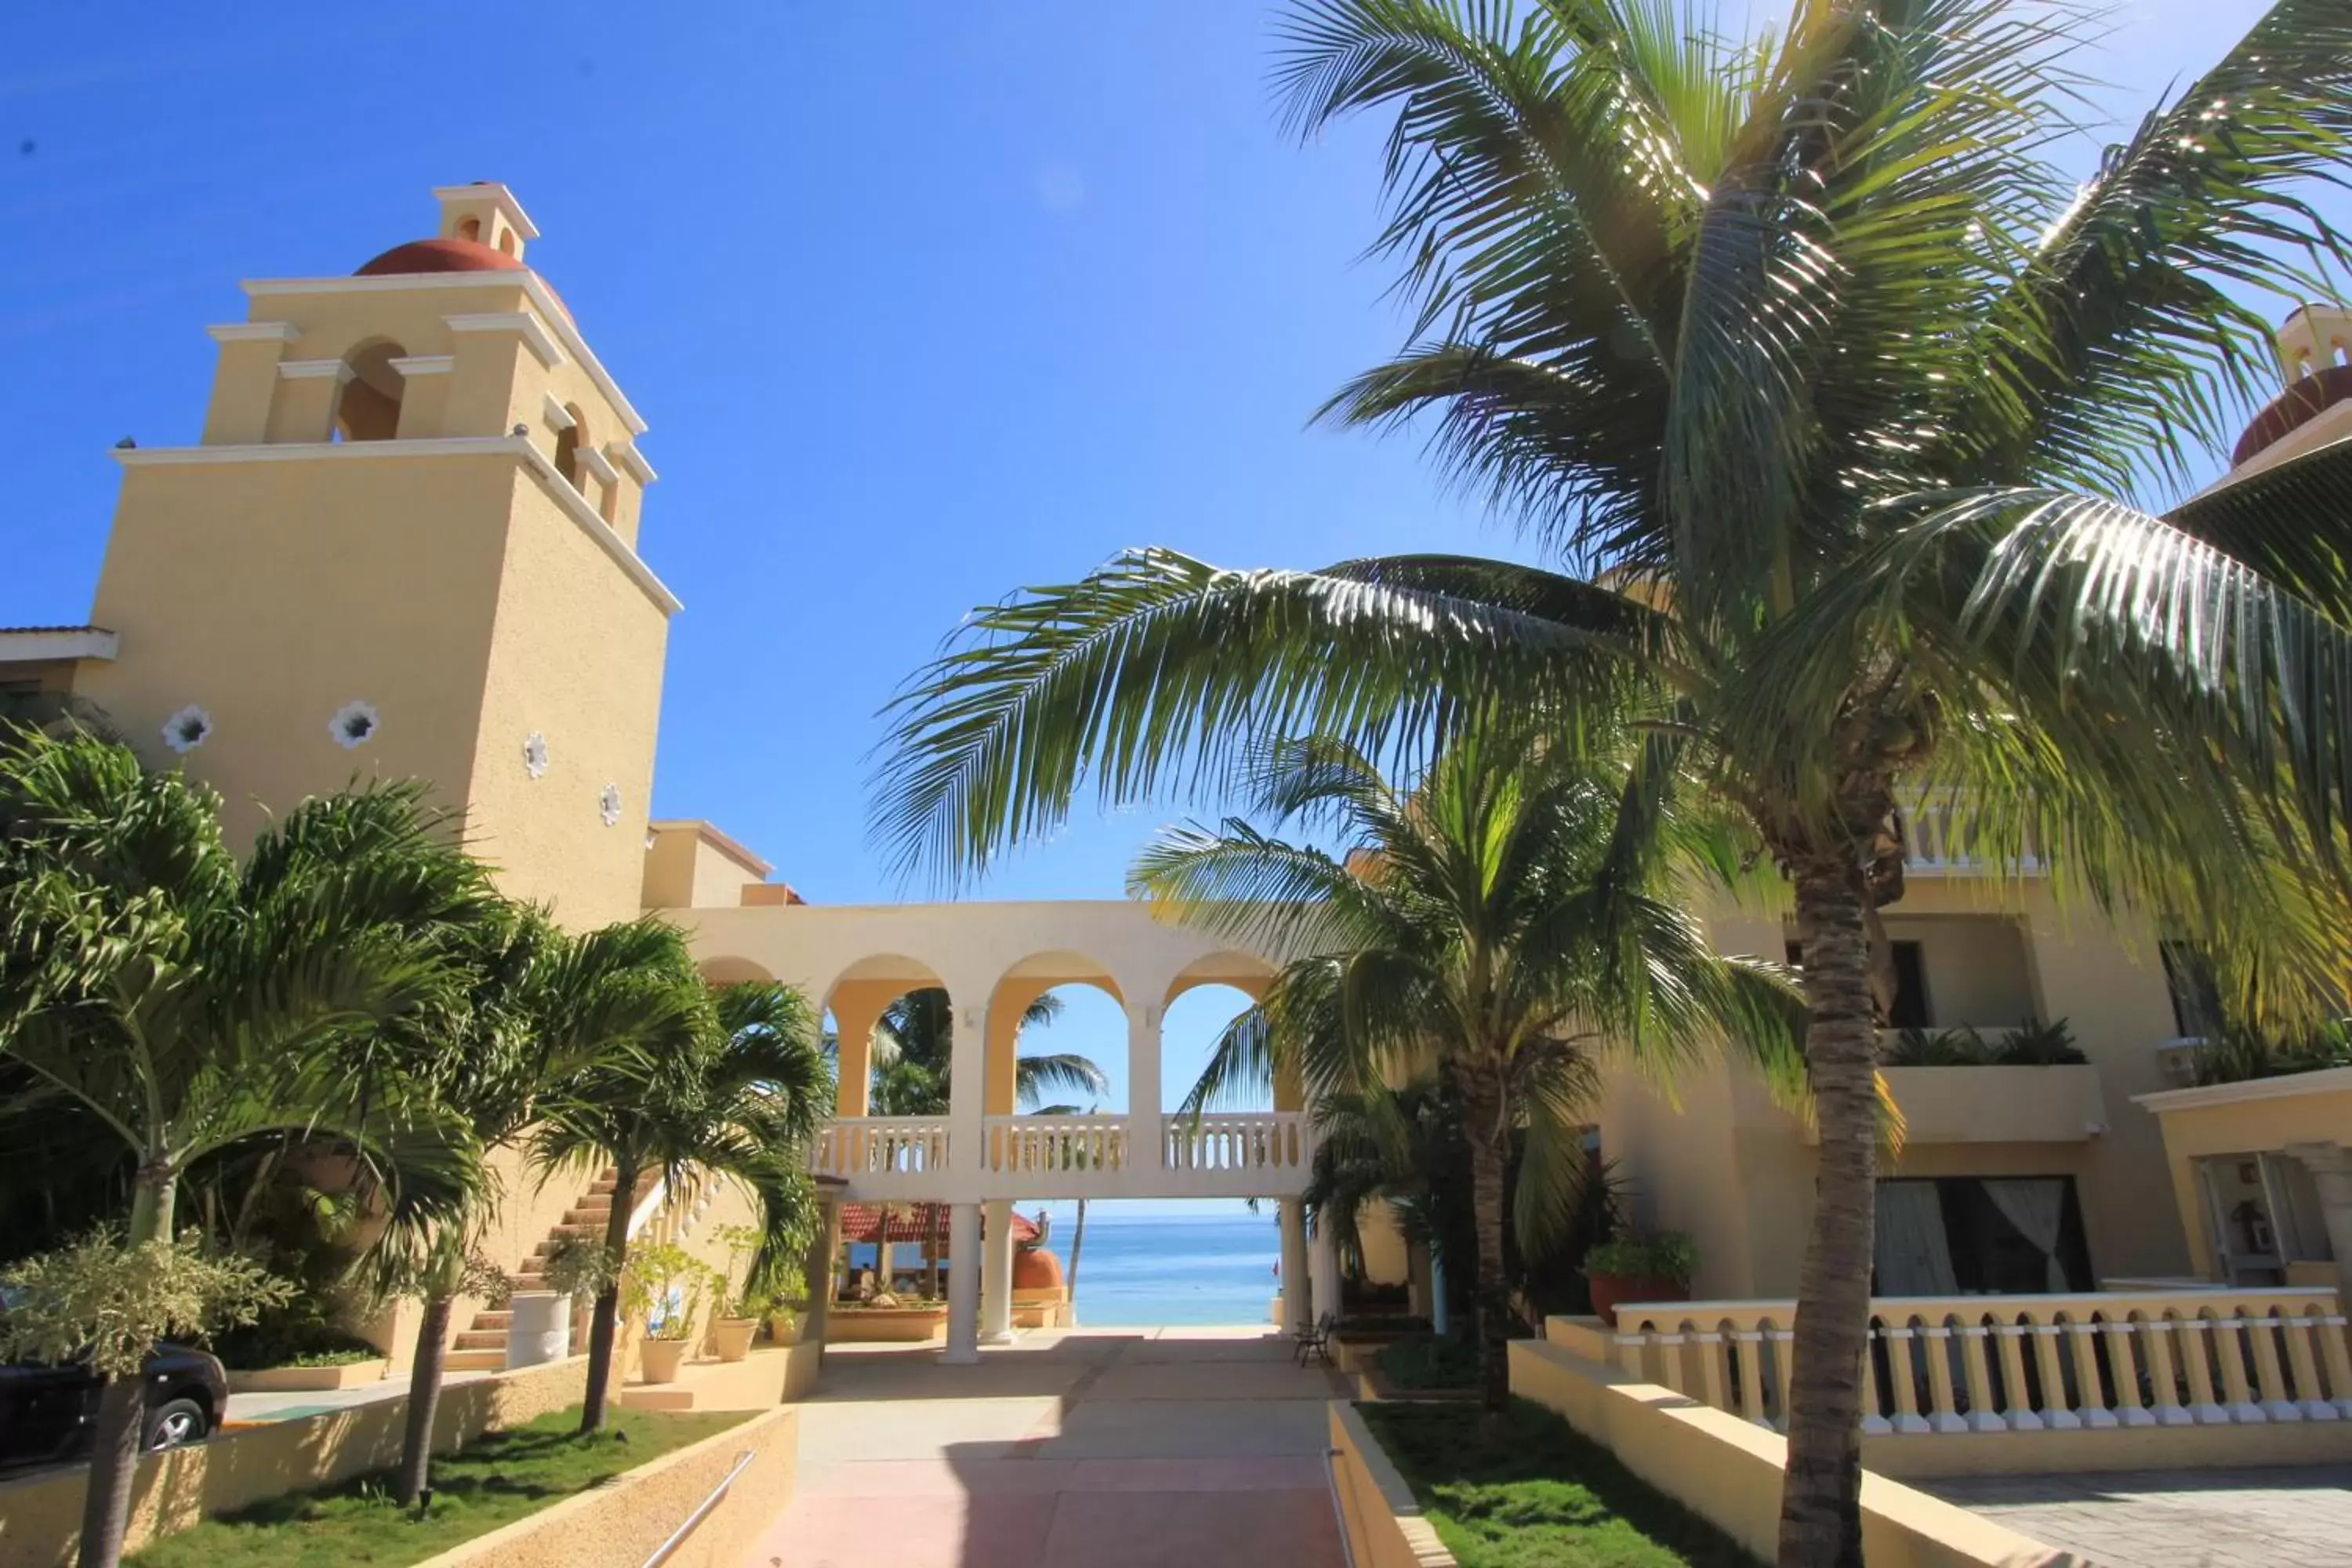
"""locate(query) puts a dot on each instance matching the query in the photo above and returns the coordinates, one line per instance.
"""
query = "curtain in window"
(1914, 1255)
(2036, 1209)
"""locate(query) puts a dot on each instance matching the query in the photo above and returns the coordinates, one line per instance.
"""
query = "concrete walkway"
(1136, 1447)
(2297, 1517)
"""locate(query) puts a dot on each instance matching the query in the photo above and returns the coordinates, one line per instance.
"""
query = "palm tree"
(687, 1083)
(1501, 923)
(1848, 416)
(918, 1030)
(193, 1007)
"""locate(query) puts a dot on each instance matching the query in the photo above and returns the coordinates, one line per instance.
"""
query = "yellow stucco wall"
(2318, 1111)
(687, 867)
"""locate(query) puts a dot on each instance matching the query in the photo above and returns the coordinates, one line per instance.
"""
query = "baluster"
(2196, 1343)
(1983, 1417)
(1906, 1386)
(1628, 1354)
(2124, 1372)
(2263, 1330)
(1873, 1404)
(2308, 1396)
(2337, 1358)
(2230, 1351)
(2089, 1395)
(2161, 1374)
(2019, 1413)
(1946, 1417)
(1711, 1367)
(1670, 1360)
(1784, 1369)
(1750, 1354)
(2056, 1412)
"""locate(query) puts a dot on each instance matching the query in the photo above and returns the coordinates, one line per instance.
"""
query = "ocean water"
(1138, 1270)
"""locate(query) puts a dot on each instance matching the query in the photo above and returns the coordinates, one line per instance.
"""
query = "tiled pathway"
(2286, 1518)
(1134, 1447)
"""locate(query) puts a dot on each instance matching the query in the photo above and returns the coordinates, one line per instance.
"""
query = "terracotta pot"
(1608, 1289)
(658, 1359)
(784, 1328)
(731, 1337)
(1035, 1268)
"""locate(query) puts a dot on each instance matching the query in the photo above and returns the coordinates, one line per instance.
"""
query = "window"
(1979, 1236)
(568, 439)
(470, 228)
(368, 408)
(2196, 995)
(1910, 1010)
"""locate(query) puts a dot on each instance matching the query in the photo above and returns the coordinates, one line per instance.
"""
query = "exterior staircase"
(481, 1345)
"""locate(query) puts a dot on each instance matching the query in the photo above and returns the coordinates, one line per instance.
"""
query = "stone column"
(1324, 1267)
(2330, 1166)
(1297, 1304)
(963, 1285)
(996, 1274)
(967, 1099)
(817, 1272)
(1144, 1151)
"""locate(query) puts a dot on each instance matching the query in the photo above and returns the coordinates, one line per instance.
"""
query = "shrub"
(101, 1302)
(1429, 1361)
(1666, 1255)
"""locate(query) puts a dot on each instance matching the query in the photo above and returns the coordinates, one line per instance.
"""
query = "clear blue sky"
(922, 301)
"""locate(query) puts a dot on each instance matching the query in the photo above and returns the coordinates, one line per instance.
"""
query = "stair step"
(490, 1319)
(483, 1339)
(476, 1361)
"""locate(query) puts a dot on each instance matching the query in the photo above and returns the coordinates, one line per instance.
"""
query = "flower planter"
(731, 1337)
(1609, 1290)
(538, 1328)
(786, 1328)
(308, 1379)
(885, 1325)
(658, 1359)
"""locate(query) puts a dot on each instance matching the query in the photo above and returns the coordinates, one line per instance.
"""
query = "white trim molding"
(626, 453)
(2286, 1086)
(575, 506)
(541, 343)
(50, 644)
(255, 332)
(557, 414)
(550, 307)
(502, 198)
(308, 369)
(414, 365)
(594, 462)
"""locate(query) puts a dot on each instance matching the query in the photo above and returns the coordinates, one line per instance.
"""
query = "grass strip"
(496, 1479)
(1533, 1493)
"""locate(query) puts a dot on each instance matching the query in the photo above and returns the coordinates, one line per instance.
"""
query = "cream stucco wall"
(690, 863)
(2263, 1117)
(1712, 1155)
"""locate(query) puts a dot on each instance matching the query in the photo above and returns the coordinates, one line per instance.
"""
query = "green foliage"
(1429, 1361)
(913, 1059)
(2029, 1045)
(108, 1303)
(1662, 1255)
(295, 1331)
(666, 1286)
(580, 1267)
(2240, 1053)
(492, 1481)
(1529, 1492)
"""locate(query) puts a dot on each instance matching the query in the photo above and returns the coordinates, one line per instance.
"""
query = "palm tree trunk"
(424, 1397)
(114, 1442)
(1483, 1104)
(605, 1323)
(1070, 1279)
(1820, 1501)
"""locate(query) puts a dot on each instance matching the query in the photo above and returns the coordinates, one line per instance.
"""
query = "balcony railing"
(854, 1146)
(2018, 1363)
(1236, 1140)
(1937, 840)
(1057, 1143)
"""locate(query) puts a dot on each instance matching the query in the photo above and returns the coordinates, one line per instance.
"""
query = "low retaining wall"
(41, 1515)
(308, 1379)
(909, 1325)
(1728, 1470)
(1384, 1524)
(620, 1523)
(769, 1376)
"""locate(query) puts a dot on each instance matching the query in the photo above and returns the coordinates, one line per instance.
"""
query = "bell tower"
(404, 547)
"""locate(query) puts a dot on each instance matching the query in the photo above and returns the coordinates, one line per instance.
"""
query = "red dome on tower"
(451, 255)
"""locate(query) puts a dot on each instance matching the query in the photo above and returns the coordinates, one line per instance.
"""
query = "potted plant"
(666, 1285)
(731, 1330)
(787, 1312)
(1656, 1267)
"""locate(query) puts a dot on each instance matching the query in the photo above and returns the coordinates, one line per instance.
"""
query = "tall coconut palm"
(1504, 923)
(916, 1031)
(689, 1084)
(1850, 418)
(193, 1006)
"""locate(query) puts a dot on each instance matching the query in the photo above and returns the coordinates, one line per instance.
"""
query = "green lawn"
(492, 1481)
(1536, 1494)
(1427, 1360)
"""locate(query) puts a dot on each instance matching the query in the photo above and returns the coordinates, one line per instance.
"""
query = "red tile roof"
(913, 1222)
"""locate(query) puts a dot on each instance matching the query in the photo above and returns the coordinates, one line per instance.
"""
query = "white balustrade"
(1937, 838)
(854, 1146)
(1057, 1143)
(1238, 1141)
(2115, 1359)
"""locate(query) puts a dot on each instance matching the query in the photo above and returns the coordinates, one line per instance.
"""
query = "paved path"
(2298, 1517)
(1135, 1447)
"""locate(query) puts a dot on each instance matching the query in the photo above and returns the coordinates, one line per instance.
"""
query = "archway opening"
(568, 442)
(368, 408)
(1209, 1051)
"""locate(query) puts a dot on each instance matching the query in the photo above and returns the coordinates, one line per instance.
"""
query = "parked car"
(48, 1413)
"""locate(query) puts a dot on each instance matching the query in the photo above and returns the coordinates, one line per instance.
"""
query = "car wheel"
(174, 1423)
